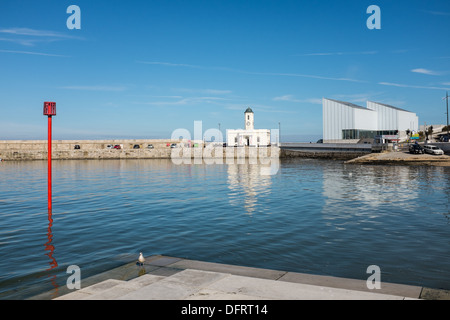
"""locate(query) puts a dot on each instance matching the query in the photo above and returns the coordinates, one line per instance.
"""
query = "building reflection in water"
(352, 190)
(247, 183)
(51, 248)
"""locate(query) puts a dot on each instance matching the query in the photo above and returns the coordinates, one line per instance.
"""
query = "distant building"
(348, 122)
(248, 136)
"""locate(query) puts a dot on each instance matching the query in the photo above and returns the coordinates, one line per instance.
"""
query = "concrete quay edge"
(129, 280)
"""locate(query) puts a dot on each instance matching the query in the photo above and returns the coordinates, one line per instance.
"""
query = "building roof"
(249, 110)
(348, 104)
(389, 106)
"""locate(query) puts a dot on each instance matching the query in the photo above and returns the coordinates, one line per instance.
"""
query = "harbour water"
(319, 217)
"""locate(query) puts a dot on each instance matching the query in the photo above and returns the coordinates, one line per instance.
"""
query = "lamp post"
(49, 111)
(446, 98)
(279, 134)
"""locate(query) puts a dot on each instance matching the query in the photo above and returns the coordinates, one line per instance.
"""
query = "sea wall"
(332, 155)
(88, 149)
(101, 149)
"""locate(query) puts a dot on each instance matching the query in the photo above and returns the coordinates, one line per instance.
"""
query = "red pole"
(49, 163)
(49, 110)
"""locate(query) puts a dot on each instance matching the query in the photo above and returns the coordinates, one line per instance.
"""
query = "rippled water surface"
(319, 217)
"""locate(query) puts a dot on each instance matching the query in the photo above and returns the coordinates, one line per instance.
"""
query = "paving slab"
(125, 288)
(352, 284)
(161, 290)
(209, 294)
(161, 261)
(435, 294)
(227, 268)
(282, 290)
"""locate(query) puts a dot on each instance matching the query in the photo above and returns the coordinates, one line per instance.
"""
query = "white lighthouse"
(248, 136)
(249, 119)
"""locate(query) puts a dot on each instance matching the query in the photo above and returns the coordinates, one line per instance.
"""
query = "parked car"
(150, 146)
(173, 145)
(117, 146)
(432, 149)
(136, 146)
(109, 146)
(416, 148)
(77, 147)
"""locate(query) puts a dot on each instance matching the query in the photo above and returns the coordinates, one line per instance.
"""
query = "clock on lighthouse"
(249, 119)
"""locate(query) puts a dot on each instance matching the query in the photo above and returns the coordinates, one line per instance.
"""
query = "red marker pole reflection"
(49, 247)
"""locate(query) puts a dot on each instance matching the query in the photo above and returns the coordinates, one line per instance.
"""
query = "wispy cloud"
(169, 64)
(290, 98)
(305, 76)
(24, 42)
(411, 86)
(95, 88)
(357, 97)
(203, 91)
(438, 13)
(280, 74)
(33, 53)
(29, 37)
(184, 101)
(426, 71)
(336, 53)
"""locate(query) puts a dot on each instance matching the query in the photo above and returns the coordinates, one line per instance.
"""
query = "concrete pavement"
(170, 278)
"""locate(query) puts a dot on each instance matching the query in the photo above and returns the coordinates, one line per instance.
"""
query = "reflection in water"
(376, 190)
(247, 183)
(371, 187)
(49, 247)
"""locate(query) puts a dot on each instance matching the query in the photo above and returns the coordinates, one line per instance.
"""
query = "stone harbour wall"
(104, 149)
(88, 149)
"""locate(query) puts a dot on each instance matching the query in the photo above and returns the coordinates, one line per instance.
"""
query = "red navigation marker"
(49, 110)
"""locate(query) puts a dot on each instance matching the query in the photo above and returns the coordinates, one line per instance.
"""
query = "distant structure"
(248, 136)
(348, 122)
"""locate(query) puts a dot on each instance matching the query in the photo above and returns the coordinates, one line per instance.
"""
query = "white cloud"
(425, 71)
(287, 97)
(169, 64)
(304, 76)
(33, 53)
(29, 37)
(291, 98)
(439, 13)
(357, 97)
(252, 72)
(184, 101)
(203, 91)
(95, 88)
(410, 86)
(338, 53)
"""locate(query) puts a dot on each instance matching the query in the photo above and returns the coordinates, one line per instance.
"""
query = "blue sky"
(141, 69)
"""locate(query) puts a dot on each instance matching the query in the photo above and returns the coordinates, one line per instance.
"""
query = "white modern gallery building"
(348, 122)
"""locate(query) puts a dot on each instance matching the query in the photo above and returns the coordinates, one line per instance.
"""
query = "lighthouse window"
(248, 117)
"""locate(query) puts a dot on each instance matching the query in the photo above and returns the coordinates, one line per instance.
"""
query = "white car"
(432, 149)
